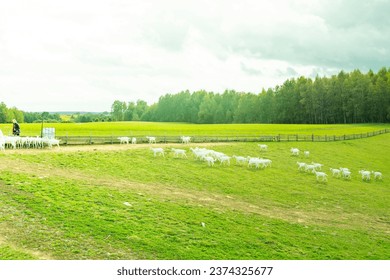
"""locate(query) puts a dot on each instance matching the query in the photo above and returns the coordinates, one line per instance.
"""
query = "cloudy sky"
(82, 55)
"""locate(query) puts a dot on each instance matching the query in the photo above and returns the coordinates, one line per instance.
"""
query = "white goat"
(317, 165)
(252, 161)
(158, 151)
(306, 153)
(124, 140)
(377, 175)
(294, 151)
(335, 172)
(266, 162)
(185, 139)
(179, 152)
(310, 168)
(345, 172)
(257, 162)
(151, 139)
(365, 175)
(240, 160)
(263, 147)
(37, 142)
(51, 142)
(133, 140)
(224, 160)
(210, 160)
(11, 141)
(322, 175)
(25, 142)
(301, 165)
(199, 153)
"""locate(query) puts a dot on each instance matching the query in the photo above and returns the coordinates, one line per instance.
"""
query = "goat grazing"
(210, 160)
(377, 175)
(158, 151)
(240, 160)
(179, 152)
(224, 159)
(301, 165)
(52, 142)
(317, 165)
(294, 151)
(306, 153)
(199, 153)
(185, 139)
(322, 175)
(345, 173)
(133, 140)
(263, 147)
(253, 161)
(365, 175)
(257, 162)
(151, 139)
(335, 172)
(123, 140)
(310, 168)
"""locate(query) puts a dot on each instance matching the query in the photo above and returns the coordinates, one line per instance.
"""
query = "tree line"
(343, 98)
(352, 97)
(8, 114)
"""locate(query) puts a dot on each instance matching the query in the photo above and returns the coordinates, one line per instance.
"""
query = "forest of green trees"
(344, 98)
(352, 97)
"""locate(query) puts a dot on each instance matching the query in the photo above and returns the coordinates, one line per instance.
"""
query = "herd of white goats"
(211, 156)
(203, 154)
(14, 142)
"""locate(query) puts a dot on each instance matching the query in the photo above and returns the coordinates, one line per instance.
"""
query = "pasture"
(177, 129)
(121, 202)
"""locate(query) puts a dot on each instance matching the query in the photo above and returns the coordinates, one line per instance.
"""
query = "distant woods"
(344, 98)
(352, 97)
(8, 114)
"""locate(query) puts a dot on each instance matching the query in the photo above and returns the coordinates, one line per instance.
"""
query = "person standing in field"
(15, 128)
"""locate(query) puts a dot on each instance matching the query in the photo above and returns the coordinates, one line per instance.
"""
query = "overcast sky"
(82, 55)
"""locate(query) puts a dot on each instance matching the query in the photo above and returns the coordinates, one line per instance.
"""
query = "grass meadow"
(179, 129)
(119, 202)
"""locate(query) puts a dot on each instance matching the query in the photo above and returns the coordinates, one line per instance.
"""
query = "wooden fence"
(89, 140)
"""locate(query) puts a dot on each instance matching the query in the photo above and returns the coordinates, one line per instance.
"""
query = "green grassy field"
(119, 202)
(179, 129)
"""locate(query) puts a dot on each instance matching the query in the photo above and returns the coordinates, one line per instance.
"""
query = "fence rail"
(89, 140)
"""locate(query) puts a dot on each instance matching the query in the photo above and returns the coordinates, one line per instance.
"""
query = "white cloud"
(83, 55)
